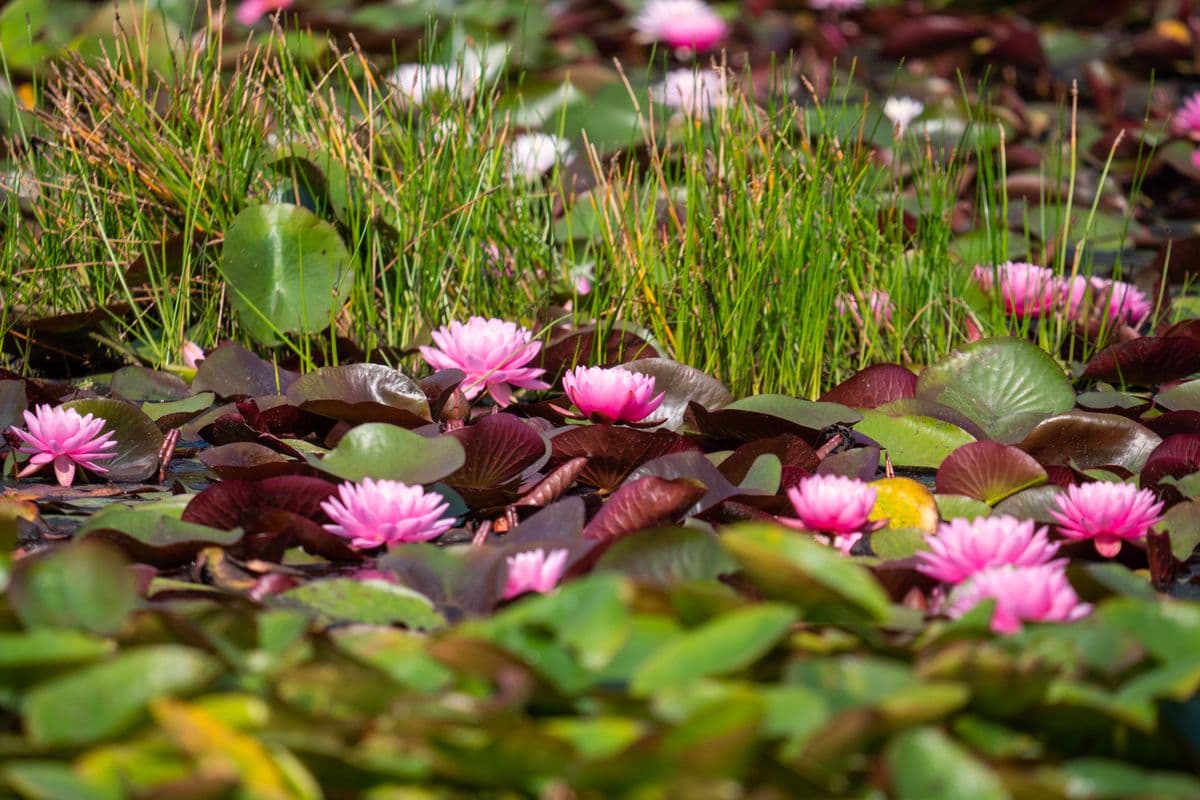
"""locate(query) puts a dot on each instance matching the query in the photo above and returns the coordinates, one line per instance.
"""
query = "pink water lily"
(612, 395)
(192, 354)
(681, 24)
(492, 352)
(1026, 290)
(60, 437)
(534, 571)
(833, 505)
(376, 513)
(962, 547)
(1186, 121)
(1107, 513)
(1039, 593)
(878, 302)
(251, 11)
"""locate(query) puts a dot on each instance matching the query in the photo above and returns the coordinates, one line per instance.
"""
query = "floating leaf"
(727, 644)
(86, 585)
(913, 441)
(643, 503)
(823, 583)
(233, 371)
(988, 471)
(1006, 386)
(135, 458)
(613, 451)
(927, 765)
(1176, 457)
(904, 503)
(141, 385)
(501, 451)
(99, 701)
(383, 451)
(1147, 361)
(806, 413)
(373, 602)
(362, 393)
(1089, 440)
(667, 555)
(153, 533)
(874, 386)
(287, 270)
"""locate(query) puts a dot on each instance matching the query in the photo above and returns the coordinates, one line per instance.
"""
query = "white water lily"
(901, 111)
(531, 155)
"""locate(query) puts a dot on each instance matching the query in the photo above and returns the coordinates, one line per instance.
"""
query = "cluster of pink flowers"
(61, 438)
(878, 302)
(250, 11)
(611, 395)
(1106, 513)
(687, 25)
(1030, 291)
(379, 513)
(1186, 121)
(1006, 560)
(836, 507)
(493, 354)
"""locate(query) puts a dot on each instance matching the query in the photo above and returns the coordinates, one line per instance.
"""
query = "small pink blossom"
(192, 354)
(834, 505)
(534, 571)
(250, 11)
(681, 24)
(964, 547)
(1186, 121)
(1025, 289)
(60, 436)
(1123, 303)
(493, 353)
(836, 5)
(375, 513)
(1039, 593)
(878, 302)
(611, 395)
(1107, 513)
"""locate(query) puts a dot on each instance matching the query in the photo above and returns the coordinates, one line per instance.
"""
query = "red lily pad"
(695, 466)
(612, 451)
(874, 386)
(1174, 422)
(233, 371)
(501, 452)
(1176, 456)
(275, 513)
(988, 471)
(250, 461)
(362, 393)
(792, 451)
(1088, 440)
(644, 503)
(1147, 361)
(726, 428)
(621, 343)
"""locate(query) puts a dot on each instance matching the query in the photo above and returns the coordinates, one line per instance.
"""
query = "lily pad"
(1088, 440)
(988, 471)
(373, 602)
(874, 386)
(138, 439)
(362, 393)
(682, 385)
(383, 451)
(1006, 386)
(287, 269)
(915, 441)
(87, 586)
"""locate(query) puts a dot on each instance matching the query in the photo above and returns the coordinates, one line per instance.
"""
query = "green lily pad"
(380, 450)
(1006, 386)
(102, 700)
(790, 566)
(374, 602)
(913, 441)
(84, 585)
(287, 269)
(809, 413)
